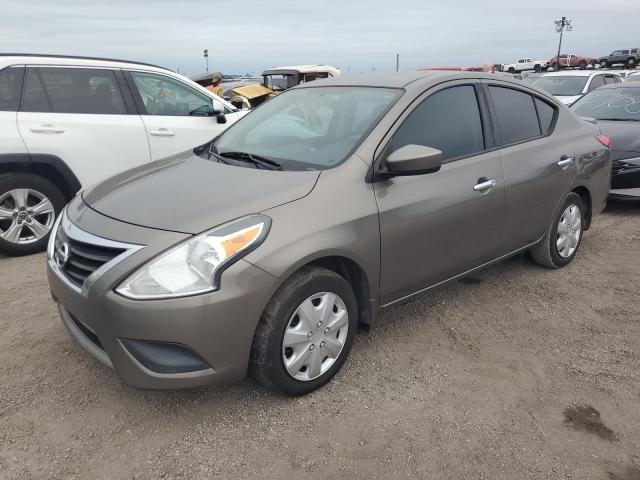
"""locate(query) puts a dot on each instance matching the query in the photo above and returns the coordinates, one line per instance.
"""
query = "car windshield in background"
(308, 128)
(610, 104)
(633, 78)
(562, 85)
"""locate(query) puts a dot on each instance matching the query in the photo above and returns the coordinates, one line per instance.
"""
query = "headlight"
(195, 266)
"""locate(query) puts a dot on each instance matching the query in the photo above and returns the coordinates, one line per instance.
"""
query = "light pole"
(206, 56)
(561, 25)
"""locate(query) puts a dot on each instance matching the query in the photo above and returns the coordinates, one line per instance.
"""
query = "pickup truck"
(525, 64)
(570, 60)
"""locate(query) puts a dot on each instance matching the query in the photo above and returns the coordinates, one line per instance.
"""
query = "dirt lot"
(516, 372)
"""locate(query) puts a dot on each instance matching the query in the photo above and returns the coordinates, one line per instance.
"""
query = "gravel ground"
(515, 372)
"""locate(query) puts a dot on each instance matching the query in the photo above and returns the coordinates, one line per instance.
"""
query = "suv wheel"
(305, 333)
(604, 63)
(631, 63)
(29, 205)
(562, 240)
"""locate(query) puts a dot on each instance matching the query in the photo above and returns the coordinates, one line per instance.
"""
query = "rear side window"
(608, 79)
(545, 115)
(72, 90)
(596, 82)
(448, 120)
(10, 85)
(517, 118)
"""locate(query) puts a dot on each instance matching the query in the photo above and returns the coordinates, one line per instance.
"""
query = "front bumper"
(187, 342)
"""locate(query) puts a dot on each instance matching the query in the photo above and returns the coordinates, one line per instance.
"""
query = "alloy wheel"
(315, 336)
(569, 231)
(26, 216)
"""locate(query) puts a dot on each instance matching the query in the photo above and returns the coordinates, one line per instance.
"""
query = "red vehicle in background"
(570, 60)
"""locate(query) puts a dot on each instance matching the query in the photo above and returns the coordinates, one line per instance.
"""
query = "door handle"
(46, 129)
(484, 185)
(162, 132)
(564, 161)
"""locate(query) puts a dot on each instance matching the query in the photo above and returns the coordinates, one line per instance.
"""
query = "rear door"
(438, 225)
(82, 116)
(10, 89)
(177, 116)
(537, 160)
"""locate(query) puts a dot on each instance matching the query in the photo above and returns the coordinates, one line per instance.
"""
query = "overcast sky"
(355, 35)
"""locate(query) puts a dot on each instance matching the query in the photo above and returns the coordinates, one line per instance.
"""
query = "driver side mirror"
(218, 112)
(413, 160)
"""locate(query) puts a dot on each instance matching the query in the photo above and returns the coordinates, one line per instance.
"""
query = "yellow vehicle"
(276, 80)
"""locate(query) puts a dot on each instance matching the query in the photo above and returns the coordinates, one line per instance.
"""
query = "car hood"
(625, 137)
(568, 100)
(190, 194)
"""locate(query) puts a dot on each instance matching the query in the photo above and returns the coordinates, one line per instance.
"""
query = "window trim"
(494, 117)
(487, 127)
(36, 67)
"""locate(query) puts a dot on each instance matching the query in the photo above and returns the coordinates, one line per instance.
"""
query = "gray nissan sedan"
(266, 249)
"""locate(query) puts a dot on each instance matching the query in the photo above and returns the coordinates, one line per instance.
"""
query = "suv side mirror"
(413, 160)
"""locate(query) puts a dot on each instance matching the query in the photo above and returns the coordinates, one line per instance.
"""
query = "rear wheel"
(29, 205)
(305, 333)
(537, 68)
(512, 70)
(562, 240)
(582, 65)
(631, 63)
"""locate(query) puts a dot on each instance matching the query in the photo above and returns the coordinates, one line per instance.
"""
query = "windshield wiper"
(255, 159)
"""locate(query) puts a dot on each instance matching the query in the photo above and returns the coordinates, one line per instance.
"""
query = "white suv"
(67, 122)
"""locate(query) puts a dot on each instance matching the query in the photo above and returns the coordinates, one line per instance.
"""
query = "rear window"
(517, 117)
(610, 104)
(72, 90)
(562, 85)
(10, 85)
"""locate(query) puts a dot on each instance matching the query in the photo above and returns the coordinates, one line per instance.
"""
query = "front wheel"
(305, 333)
(561, 242)
(29, 205)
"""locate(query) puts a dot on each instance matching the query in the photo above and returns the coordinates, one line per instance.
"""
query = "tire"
(582, 65)
(511, 70)
(631, 63)
(604, 64)
(268, 350)
(547, 252)
(16, 234)
(544, 69)
(537, 68)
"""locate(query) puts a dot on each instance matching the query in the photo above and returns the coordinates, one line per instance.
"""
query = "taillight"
(606, 141)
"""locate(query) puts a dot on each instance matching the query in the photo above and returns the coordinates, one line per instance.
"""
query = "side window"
(72, 90)
(545, 115)
(163, 95)
(609, 79)
(596, 82)
(516, 114)
(10, 86)
(448, 120)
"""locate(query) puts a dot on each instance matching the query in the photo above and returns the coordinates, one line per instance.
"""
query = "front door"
(80, 116)
(177, 116)
(438, 225)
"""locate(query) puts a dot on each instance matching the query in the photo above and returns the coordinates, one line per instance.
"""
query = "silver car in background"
(266, 249)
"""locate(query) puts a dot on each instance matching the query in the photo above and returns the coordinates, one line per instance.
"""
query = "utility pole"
(206, 56)
(561, 25)
(397, 62)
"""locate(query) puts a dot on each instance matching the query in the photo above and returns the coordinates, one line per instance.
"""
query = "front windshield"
(562, 85)
(308, 128)
(610, 104)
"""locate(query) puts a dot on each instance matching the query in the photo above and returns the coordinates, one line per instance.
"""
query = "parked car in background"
(266, 249)
(616, 109)
(279, 79)
(625, 73)
(628, 57)
(68, 122)
(570, 60)
(633, 77)
(525, 64)
(569, 86)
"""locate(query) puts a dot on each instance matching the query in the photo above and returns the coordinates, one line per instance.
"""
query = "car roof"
(46, 59)
(303, 69)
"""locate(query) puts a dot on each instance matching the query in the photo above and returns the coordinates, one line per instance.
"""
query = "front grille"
(83, 258)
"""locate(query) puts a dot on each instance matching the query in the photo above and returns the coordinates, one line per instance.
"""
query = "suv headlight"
(195, 266)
